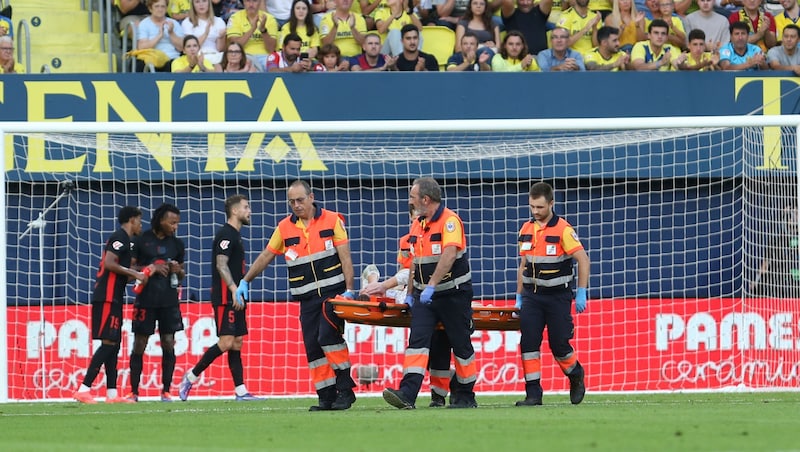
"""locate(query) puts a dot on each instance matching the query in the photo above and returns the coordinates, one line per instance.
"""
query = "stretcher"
(385, 312)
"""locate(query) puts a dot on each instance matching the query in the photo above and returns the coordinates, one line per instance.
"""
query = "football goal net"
(691, 226)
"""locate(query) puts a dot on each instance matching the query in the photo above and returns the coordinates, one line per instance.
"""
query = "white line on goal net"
(498, 125)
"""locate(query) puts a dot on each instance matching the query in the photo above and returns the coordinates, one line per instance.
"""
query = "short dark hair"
(697, 33)
(408, 27)
(540, 189)
(160, 213)
(292, 37)
(470, 34)
(657, 23)
(740, 25)
(128, 212)
(792, 27)
(188, 38)
(232, 201)
(429, 187)
(605, 32)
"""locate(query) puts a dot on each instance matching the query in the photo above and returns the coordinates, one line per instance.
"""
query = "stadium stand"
(61, 37)
(439, 42)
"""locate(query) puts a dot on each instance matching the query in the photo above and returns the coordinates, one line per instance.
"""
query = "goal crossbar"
(480, 125)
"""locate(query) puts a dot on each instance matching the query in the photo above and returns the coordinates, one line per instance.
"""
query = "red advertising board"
(625, 345)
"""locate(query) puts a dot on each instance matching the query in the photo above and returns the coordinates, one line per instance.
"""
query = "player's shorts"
(107, 321)
(229, 321)
(144, 320)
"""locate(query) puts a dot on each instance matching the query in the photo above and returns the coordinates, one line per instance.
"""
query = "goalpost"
(678, 215)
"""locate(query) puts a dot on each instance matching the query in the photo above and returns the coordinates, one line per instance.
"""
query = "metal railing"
(24, 32)
(129, 30)
(104, 12)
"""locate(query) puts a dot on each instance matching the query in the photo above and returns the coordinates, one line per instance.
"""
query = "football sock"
(235, 365)
(136, 372)
(208, 357)
(98, 359)
(167, 368)
(111, 370)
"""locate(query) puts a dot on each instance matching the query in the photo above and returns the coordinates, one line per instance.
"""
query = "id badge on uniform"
(291, 254)
(526, 246)
(436, 248)
(551, 250)
(328, 245)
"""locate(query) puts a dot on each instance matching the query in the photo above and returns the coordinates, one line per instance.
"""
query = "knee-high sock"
(167, 368)
(98, 359)
(235, 365)
(208, 357)
(136, 372)
(111, 368)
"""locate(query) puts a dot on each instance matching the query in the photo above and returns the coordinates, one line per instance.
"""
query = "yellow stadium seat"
(440, 42)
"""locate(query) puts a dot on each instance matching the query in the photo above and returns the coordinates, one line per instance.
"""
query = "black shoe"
(324, 405)
(344, 400)
(466, 402)
(437, 401)
(529, 401)
(397, 399)
(576, 388)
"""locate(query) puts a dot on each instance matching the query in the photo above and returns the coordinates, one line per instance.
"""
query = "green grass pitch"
(738, 421)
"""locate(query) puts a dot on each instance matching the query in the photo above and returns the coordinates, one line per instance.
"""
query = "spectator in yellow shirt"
(256, 31)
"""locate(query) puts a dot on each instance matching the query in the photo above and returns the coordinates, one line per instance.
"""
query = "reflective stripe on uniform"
(532, 365)
(337, 355)
(310, 258)
(416, 361)
(466, 370)
(447, 285)
(314, 285)
(567, 363)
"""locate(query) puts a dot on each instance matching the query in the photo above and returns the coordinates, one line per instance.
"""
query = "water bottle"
(173, 277)
(139, 286)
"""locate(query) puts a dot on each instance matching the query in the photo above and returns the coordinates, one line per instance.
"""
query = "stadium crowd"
(455, 35)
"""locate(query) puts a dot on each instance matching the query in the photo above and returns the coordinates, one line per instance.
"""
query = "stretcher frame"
(382, 311)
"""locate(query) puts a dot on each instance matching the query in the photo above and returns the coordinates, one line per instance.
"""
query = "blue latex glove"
(409, 300)
(427, 295)
(349, 295)
(518, 304)
(580, 300)
(242, 293)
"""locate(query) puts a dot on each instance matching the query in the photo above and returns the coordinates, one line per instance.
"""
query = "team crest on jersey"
(224, 244)
(450, 226)
(271, 57)
(117, 245)
(575, 236)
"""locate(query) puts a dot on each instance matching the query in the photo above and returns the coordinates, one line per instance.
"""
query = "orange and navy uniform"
(109, 289)
(404, 257)
(547, 252)
(439, 359)
(228, 243)
(547, 280)
(316, 274)
(450, 305)
(428, 239)
(310, 252)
